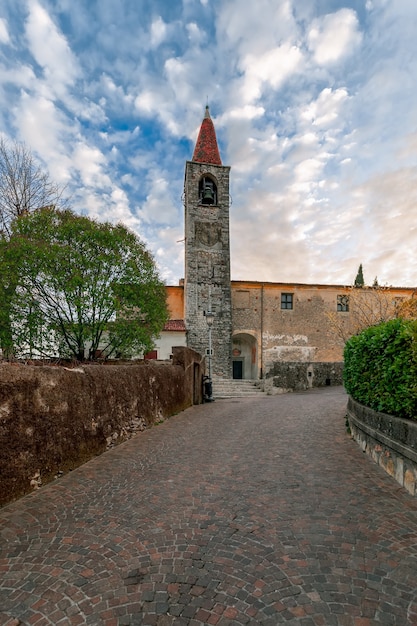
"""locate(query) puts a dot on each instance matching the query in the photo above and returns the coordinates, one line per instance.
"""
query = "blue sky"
(314, 104)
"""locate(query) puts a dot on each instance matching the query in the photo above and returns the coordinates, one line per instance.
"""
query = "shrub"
(381, 367)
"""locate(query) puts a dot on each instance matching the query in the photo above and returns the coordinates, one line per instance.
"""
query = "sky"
(314, 103)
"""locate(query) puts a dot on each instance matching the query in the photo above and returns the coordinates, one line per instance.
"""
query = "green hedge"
(381, 367)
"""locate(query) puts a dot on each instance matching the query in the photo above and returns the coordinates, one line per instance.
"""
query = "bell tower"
(207, 252)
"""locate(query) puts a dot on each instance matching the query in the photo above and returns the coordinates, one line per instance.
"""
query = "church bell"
(208, 196)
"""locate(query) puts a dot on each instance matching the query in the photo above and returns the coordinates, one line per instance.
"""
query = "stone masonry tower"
(207, 251)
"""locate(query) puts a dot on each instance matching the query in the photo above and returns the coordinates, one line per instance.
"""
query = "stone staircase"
(232, 388)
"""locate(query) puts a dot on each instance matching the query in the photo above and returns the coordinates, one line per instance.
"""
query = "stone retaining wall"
(390, 441)
(299, 376)
(54, 418)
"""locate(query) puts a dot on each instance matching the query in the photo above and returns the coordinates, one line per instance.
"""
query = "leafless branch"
(24, 185)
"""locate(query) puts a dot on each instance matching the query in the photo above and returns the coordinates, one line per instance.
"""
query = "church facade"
(249, 329)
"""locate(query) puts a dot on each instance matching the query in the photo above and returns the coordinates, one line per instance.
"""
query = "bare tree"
(408, 308)
(24, 185)
(365, 306)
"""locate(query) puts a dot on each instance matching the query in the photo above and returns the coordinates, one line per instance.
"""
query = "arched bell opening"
(207, 191)
(244, 357)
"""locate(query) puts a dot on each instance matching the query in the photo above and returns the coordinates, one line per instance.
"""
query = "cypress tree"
(359, 281)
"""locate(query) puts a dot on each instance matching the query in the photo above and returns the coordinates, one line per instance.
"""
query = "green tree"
(359, 281)
(24, 187)
(83, 287)
(9, 278)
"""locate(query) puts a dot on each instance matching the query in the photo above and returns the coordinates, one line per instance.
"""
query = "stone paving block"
(251, 511)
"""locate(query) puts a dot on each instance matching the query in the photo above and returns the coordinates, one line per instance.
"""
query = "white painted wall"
(167, 340)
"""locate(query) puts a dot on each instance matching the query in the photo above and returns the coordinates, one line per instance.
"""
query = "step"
(235, 388)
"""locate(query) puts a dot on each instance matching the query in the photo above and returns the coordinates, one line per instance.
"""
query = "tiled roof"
(177, 325)
(206, 149)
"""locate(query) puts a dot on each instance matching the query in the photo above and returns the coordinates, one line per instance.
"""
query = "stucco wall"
(53, 419)
(167, 339)
(301, 334)
(175, 301)
(265, 334)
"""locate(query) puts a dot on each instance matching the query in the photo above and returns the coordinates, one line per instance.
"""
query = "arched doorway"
(244, 357)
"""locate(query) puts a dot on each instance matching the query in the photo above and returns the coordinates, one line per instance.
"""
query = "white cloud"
(146, 101)
(4, 33)
(306, 172)
(158, 32)
(247, 112)
(169, 252)
(159, 206)
(315, 114)
(273, 68)
(43, 127)
(89, 162)
(256, 27)
(50, 49)
(334, 36)
(21, 76)
(194, 33)
(325, 110)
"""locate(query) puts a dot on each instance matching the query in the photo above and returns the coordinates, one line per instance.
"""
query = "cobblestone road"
(255, 511)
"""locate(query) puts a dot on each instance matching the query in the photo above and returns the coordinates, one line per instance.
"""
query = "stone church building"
(280, 333)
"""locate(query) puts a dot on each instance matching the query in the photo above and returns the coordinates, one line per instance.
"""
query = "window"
(286, 301)
(343, 303)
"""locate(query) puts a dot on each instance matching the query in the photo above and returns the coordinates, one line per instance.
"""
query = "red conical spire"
(206, 149)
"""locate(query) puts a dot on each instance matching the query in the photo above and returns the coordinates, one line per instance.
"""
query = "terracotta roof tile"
(177, 325)
(206, 149)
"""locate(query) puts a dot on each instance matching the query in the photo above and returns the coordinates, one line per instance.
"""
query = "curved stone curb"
(390, 441)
